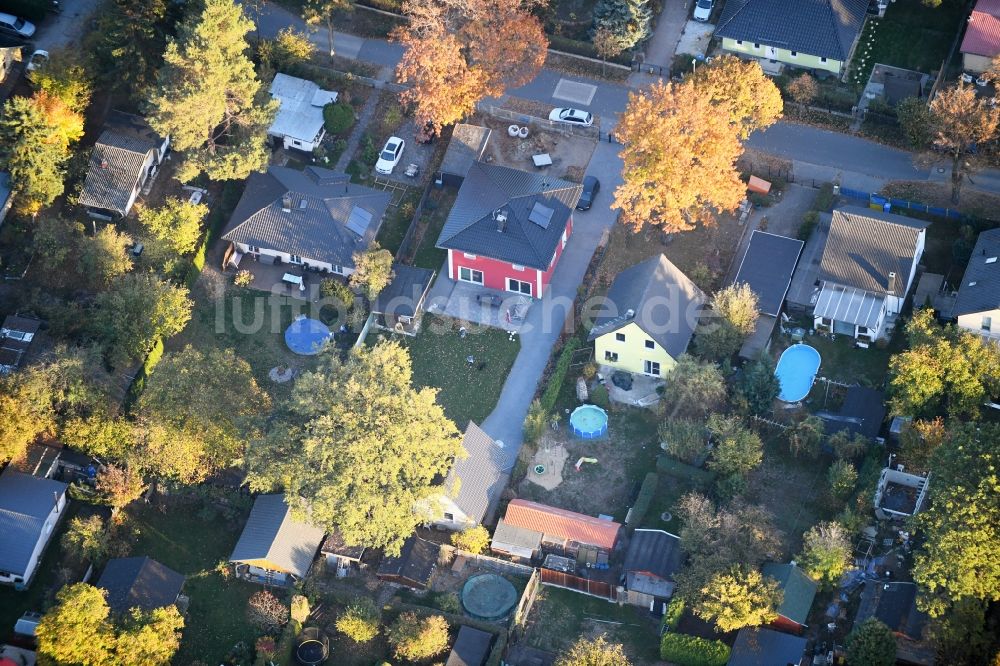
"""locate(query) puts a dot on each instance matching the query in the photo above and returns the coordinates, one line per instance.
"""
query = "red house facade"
(508, 229)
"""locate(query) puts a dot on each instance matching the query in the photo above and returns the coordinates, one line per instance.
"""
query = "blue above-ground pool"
(307, 337)
(589, 421)
(796, 372)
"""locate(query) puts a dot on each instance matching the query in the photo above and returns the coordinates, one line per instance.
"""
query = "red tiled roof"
(982, 36)
(562, 523)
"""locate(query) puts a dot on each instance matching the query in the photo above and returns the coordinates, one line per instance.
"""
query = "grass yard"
(841, 361)
(560, 616)
(432, 219)
(439, 360)
(397, 221)
(911, 36)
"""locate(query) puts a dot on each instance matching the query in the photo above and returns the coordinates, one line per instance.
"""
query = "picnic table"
(291, 278)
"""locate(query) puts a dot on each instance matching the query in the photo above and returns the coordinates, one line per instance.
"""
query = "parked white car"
(572, 117)
(37, 60)
(390, 155)
(15, 25)
(703, 10)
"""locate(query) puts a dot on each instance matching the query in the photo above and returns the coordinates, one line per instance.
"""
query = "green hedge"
(684, 650)
(33, 10)
(152, 359)
(675, 611)
(673, 467)
(551, 393)
(644, 498)
(575, 46)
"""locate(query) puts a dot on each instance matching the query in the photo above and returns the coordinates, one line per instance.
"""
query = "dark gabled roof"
(139, 582)
(985, 293)
(471, 648)
(135, 129)
(767, 268)
(114, 171)
(25, 502)
(799, 590)
(862, 412)
(764, 647)
(865, 245)
(468, 142)
(650, 291)
(894, 604)
(472, 226)
(824, 28)
(415, 562)
(480, 475)
(319, 230)
(273, 540)
(21, 324)
(404, 295)
(335, 545)
(655, 552)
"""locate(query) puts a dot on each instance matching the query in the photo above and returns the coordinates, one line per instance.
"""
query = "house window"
(337, 269)
(470, 275)
(652, 368)
(253, 249)
(449, 516)
(468, 256)
(739, 42)
(650, 344)
(756, 46)
(987, 323)
(794, 53)
(519, 286)
(611, 356)
(294, 259)
(620, 337)
(517, 267)
(822, 59)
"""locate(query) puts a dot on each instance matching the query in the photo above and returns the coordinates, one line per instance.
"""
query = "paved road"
(63, 30)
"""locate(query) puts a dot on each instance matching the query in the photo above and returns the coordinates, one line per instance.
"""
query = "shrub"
(599, 396)
(369, 153)
(266, 612)
(243, 278)
(684, 650)
(675, 468)
(359, 621)
(809, 222)
(416, 638)
(86, 539)
(589, 371)
(551, 393)
(824, 198)
(645, 497)
(684, 439)
(675, 611)
(473, 540)
(534, 422)
(338, 117)
(300, 608)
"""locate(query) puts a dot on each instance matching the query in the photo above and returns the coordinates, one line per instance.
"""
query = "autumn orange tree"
(959, 123)
(679, 159)
(460, 51)
(749, 96)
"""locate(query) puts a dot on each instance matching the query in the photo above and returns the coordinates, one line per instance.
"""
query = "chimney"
(501, 219)
(892, 282)
(286, 203)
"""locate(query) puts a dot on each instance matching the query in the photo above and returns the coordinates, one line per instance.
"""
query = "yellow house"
(648, 319)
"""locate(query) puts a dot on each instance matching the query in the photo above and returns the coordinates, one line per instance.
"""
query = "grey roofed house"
(26, 503)
(273, 540)
(480, 475)
(472, 647)
(139, 582)
(663, 301)
(652, 558)
(823, 28)
(466, 147)
(767, 268)
(536, 207)
(404, 296)
(980, 288)
(120, 163)
(306, 213)
(300, 110)
(764, 647)
(865, 245)
(413, 566)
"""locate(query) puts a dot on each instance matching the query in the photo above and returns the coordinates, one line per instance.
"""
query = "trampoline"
(313, 647)
(589, 421)
(488, 597)
(796, 372)
(307, 337)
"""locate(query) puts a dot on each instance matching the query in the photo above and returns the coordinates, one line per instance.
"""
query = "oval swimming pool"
(796, 372)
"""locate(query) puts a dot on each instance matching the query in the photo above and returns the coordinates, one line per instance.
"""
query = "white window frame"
(510, 288)
(650, 344)
(986, 324)
(294, 259)
(619, 337)
(472, 275)
(823, 59)
(610, 356)
(649, 366)
(739, 42)
(517, 267)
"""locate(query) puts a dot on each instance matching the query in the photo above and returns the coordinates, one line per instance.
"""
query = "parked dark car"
(591, 186)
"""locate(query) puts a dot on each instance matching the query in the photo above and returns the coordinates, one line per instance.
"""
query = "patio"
(461, 300)
(642, 393)
(270, 278)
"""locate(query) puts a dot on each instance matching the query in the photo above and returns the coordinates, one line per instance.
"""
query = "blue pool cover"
(589, 421)
(796, 372)
(307, 336)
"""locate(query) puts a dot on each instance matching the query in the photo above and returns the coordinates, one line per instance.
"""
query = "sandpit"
(546, 467)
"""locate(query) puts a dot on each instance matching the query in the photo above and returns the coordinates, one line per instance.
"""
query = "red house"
(508, 228)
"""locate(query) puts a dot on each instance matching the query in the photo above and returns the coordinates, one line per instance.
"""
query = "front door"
(519, 286)
(771, 53)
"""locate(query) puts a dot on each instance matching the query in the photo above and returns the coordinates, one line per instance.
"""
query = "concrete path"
(62, 30)
(354, 140)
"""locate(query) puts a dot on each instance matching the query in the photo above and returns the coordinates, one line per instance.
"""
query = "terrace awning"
(850, 305)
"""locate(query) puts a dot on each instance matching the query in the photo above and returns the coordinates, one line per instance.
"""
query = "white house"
(474, 483)
(868, 266)
(977, 305)
(299, 122)
(30, 509)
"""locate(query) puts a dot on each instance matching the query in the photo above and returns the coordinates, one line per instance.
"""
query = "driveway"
(63, 30)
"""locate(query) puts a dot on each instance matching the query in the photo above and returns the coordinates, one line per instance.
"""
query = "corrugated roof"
(865, 245)
(271, 538)
(415, 563)
(825, 28)
(665, 304)
(300, 108)
(799, 590)
(115, 168)
(489, 190)
(518, 537)
(853, 306)
(980, 288)
(480, 475)
(982, 33)
(25, 502)
(468, 142)
(139, 582)
(562, 524)
(767, 268)
(319, 230)
(764, 647)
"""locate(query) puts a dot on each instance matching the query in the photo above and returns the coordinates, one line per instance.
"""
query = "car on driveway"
(703, 10)
(37, 60)
(572, 117)
(390, 155)
(591, 186)
(14, 25)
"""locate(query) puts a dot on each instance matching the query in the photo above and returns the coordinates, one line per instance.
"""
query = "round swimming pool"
(589, 421)
(796, 372)
(307, 337)
(488, 597)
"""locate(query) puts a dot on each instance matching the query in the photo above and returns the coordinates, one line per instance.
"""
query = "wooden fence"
(595, 588)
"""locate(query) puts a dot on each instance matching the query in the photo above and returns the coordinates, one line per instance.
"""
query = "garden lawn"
(841, 361)
(439, 360)
(432, 219)
(397, 221)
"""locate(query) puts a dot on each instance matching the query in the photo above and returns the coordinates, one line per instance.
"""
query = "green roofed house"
(799, 591)
(812, 34)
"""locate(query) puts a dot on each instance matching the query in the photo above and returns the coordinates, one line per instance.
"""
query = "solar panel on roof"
(359, 220)
(541, 215)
